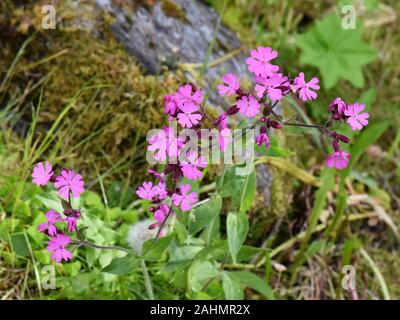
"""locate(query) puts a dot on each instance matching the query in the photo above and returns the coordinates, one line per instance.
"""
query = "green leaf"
(19, 245)
(254, 282)
(121, 266)
(200, 272)
(154, 249)
(248, 192)
(315, 247)
(72, 268)
(237, 225)
(274, 149)
(368, 136)
(51, 201)
(203, 215)
(230, 184)
(338, 53)
(231, 286)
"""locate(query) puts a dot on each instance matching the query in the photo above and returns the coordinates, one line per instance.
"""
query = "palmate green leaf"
(338, 53)
(203, 215)
(237, 225)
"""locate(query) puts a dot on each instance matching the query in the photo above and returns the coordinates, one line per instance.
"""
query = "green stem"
(147, 281)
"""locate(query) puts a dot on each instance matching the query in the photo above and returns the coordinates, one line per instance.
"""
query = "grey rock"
(156, 38)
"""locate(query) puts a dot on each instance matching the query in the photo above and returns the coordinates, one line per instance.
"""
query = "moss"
(174, 10)
(105, 125)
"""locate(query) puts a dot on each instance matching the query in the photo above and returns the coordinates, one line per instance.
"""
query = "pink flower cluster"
(273, 84)
(257, 104)
(68, 184)
(351, 114)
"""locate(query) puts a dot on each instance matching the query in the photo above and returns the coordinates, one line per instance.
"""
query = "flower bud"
(194, 89)
(263, 129)
(267, 111)
(240, 93)
(68, 212)
(335, 116)
(264, 119)
(275, 124)
(343, 138)
(77, 214)
(335, 145)
(232, 110)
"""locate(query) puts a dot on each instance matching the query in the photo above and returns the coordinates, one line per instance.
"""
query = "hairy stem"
(147, 280)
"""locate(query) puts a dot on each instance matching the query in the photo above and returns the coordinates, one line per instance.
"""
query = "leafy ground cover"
(57, 103)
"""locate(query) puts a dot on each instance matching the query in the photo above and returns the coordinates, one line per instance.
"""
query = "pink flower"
(164, 143)
(170, 105)
(68, 182)
(147, 190)
(57, 246)
(258, 62)
(224, 138)
(221, 122)
(190, 166)
(276, 86)
(48, 227)
(71, 224)
(338, 105)
(161, 213)
(355, 119)
(189, 116)
(338, 159)
(248, 106)
(262, 138)
(185, 97)
(161, 190)
(184, 199)
(42, 173)
(305, 92)
(232, 85)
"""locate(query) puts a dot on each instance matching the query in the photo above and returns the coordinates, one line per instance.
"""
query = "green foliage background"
(83, 102)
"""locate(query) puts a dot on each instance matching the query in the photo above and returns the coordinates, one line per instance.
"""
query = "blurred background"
(83, 93)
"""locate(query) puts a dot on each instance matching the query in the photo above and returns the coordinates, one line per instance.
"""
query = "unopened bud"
(263, 129)
(232, 110)
(275, 124)
(68, 212)
(343, 138)
(335, 145)
(153, 226)
(264, 119)
(240, 93)
(266, 111)
(77, 214)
